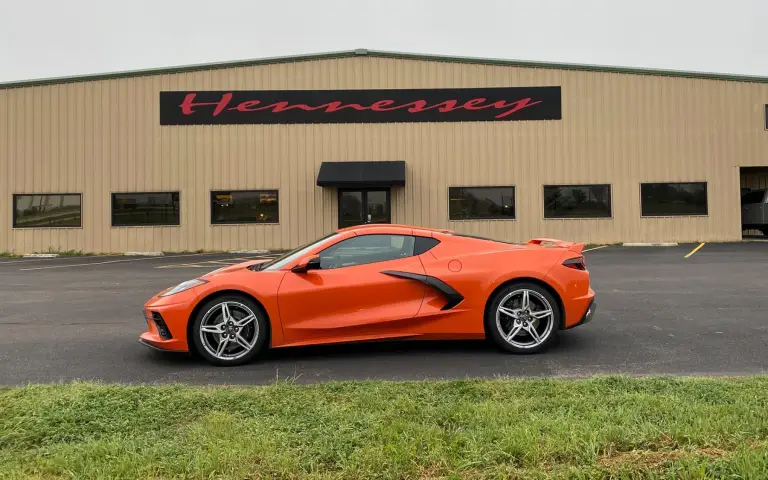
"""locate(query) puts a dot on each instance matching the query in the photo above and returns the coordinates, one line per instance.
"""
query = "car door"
(349, 297)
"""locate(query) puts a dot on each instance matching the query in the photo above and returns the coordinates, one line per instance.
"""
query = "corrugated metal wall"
(99, 137)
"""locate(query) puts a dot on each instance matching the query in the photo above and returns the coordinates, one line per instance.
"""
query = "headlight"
(184, 286)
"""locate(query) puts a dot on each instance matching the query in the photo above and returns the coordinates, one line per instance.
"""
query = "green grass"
(611, 427)
(8, 255)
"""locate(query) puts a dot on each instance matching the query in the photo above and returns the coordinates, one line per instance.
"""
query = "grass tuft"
(612, 427)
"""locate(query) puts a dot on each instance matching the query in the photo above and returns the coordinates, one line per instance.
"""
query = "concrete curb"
(41, 255)
(143, 254)
(651, 244)
(248, 251)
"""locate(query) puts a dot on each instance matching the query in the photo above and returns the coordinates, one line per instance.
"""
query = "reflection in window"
(244, 206)
(47, 210)
(140, 209)
(577, 201)
(366, 249)
(468, 203)
(670, 199)
(752, 198)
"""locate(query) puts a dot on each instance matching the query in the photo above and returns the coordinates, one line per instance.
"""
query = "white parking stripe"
(594, 248)
(117, 261)
(30, 260)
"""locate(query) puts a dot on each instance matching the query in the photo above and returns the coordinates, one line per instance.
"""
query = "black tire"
(262, 339)
(492, 330)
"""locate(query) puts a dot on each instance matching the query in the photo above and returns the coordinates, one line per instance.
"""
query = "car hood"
(233, 268)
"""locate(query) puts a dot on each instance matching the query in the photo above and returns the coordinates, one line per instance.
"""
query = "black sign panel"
(229, 107)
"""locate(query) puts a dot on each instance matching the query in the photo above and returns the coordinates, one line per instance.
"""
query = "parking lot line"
(214, 263)
(595, 248)
(185, 265)
(111, 261)
(695, 250)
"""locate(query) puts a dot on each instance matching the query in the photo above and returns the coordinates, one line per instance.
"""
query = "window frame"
(640, 194)
(14, 216)
(261, 190)
(358, 237)
(480, 219)
(544, 198)
(140, 225)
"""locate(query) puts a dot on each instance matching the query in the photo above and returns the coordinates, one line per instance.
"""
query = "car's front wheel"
(523, 317)
(230, 330)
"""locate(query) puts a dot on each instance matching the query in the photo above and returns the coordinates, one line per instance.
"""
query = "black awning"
(361, 174)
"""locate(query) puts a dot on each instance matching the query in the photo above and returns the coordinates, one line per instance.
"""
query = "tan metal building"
(164, 160)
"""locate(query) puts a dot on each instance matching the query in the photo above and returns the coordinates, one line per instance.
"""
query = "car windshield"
(283, 260)
(753, 197)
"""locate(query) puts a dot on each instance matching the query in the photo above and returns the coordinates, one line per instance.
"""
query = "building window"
(47, 210)
(673, 199)
(477, 203)
(244, 206)
(145, 208)
(577, 201)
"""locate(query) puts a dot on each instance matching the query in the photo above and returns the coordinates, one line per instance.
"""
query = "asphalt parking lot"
(659, 313)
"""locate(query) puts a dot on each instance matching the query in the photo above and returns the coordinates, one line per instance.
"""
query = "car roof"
(392, 228)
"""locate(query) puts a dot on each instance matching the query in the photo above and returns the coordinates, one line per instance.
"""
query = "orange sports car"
(376, 282)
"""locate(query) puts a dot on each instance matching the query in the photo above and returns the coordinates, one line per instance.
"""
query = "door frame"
(364, 192)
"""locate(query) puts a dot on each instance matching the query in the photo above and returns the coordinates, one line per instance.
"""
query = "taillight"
(577, 263)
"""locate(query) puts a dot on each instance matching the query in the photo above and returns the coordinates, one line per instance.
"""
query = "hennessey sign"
(229, 107)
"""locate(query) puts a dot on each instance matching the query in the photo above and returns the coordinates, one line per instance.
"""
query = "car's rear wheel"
(523, 317)
(230, 330)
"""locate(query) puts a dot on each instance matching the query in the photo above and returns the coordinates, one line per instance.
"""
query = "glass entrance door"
(357, 207)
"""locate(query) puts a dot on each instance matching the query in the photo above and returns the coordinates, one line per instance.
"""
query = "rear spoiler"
(571, 246)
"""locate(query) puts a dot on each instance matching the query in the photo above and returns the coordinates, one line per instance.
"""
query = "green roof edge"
(382, 54)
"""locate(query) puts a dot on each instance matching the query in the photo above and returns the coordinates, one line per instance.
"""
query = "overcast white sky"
(45, 38)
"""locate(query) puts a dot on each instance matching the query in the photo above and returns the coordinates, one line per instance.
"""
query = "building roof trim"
(382, 54)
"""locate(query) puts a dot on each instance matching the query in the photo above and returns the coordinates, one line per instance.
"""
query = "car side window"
(366, 249)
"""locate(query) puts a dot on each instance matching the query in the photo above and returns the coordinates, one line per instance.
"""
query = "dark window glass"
(49, 210)
(669, 199)
(366, 249)
(146, 208)
(469, 203)
(753, 197)
(244, 206)
(424, 244)
(577, 201)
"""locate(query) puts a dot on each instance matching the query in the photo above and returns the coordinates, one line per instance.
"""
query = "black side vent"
(162, 328)
(454, 298)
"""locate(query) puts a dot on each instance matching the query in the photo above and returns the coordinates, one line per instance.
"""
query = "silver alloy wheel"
(525, 318)
(229, 330)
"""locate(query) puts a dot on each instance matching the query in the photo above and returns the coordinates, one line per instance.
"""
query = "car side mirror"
(307, 264)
